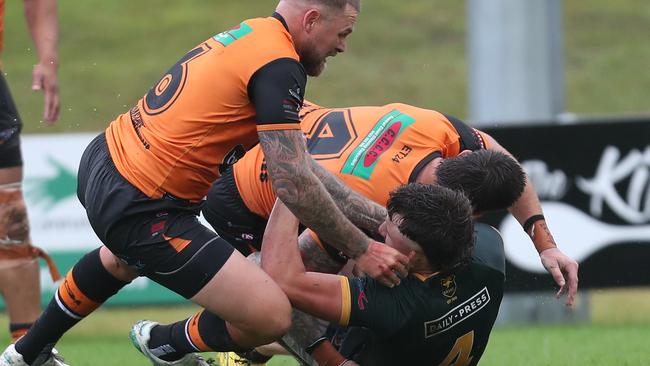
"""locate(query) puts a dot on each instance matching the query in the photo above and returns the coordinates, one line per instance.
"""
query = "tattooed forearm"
(314, 257)
(299, 188)
(360, 210)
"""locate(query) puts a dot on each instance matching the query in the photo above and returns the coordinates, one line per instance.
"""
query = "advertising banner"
(594, 183)
(57, 219)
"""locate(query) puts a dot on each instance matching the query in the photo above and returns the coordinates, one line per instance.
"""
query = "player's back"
(441, 320)
(198, 116)
(372, 149)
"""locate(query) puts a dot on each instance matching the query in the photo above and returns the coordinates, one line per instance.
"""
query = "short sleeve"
(470, 138)
(371, 305)
(277, 91)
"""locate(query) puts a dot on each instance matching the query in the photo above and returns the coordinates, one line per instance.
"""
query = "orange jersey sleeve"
(371, 149)
(199, 116)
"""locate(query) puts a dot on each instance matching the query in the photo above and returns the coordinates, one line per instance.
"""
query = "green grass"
(113, 51)
(617, 336)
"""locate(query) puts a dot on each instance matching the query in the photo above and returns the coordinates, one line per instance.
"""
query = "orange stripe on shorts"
(177, 243)
(195, 336)
(74, 299)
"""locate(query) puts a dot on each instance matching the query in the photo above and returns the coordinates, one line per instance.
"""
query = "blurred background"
(561, 84)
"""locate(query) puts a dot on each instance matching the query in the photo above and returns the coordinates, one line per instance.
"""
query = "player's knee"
(115, 266)
(14, 226)
(273, 320)
(280, 321)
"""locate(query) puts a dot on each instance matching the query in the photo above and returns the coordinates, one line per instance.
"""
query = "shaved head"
(332, 4)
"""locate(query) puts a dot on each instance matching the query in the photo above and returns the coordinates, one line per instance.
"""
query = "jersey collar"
(279, 17)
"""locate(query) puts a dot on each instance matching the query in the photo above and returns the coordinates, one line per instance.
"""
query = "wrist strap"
(532, 220)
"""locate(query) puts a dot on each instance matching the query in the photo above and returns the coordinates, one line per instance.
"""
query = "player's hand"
(44, 78)
(383, 263)
(564, 271)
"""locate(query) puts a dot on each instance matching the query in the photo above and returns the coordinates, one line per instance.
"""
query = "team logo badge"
(449, 286)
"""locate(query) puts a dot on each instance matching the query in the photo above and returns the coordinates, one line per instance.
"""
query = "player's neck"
(427, 174)
(420, 264)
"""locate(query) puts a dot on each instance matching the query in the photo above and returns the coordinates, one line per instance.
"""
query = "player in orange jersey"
(375, 150)
(19, 270)
(142, 182)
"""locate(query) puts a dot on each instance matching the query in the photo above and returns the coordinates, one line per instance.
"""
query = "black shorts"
(230, 218)
(10, 127)
(161, 238)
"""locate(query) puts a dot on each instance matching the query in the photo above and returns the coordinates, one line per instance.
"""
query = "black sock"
(84, 289)
(256, 357)
(204, 332)
(169, 343)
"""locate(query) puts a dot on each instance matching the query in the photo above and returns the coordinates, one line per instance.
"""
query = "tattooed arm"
(302, 192)
(363, 212)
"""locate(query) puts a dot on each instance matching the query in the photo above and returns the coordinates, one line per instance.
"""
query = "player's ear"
(310, 19)
(465, 152)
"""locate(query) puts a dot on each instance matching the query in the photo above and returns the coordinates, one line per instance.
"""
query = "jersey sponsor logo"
(138, 123)
(363, 160)
(458, 314)
(293, 102)
(230, 36)
(402, 154)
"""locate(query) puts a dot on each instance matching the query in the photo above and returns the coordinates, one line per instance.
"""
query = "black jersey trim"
(422, 164)
(469, 140)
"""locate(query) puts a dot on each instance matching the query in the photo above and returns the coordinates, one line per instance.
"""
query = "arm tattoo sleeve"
(315, 258)
(361, 211)
(299, 188)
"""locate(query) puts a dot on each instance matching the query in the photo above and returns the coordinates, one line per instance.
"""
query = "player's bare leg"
(244, 295)
(19, 277)
(237, 302)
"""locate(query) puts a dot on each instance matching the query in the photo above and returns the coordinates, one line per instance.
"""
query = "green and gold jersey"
(435, 320)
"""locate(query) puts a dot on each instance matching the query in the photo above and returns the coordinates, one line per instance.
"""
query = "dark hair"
(491, 179)
(438, 219)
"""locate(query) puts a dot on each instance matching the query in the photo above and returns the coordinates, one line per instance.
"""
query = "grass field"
(617, 336)
(112, 52)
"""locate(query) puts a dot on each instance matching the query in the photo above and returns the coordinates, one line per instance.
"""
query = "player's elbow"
(287, 188)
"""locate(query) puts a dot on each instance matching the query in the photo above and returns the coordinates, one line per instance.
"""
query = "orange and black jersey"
(439, 319)
(373, 150)
(205, 112)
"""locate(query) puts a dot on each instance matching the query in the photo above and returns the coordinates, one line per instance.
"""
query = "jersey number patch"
(169, 87)
(460, 352)
(330, 136)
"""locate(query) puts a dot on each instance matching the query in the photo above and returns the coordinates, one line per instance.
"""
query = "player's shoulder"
(488, 248)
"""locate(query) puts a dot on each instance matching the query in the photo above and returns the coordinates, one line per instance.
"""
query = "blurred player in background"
(142, 183)
(441, 314)
(19, 269)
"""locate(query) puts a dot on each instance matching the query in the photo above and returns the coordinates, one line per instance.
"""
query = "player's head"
(491, 180)
(319, 28)
(431, 220)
